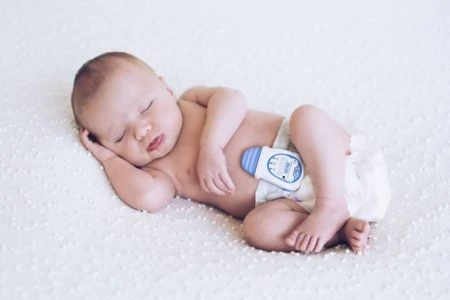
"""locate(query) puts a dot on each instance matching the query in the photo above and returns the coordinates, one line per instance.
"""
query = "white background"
(384, 65)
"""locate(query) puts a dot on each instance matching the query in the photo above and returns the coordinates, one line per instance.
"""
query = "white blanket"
(384, 65)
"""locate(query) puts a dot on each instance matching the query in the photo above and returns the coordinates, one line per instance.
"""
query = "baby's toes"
(355, 234)
(293, 238)
(320, 244)
(304, 242)
(312, 244)
(362, 226)
(355, 244)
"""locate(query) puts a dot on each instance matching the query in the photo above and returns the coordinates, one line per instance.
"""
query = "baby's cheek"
(126, 153)
(138, 157)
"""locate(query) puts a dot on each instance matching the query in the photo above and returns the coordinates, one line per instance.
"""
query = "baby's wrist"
(210, 145)
(107, 159)
(210, 148)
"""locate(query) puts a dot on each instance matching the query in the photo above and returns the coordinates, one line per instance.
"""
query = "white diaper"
(367, 188)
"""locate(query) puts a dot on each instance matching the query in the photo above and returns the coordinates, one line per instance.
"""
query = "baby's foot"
(317, 229)
(356, 233)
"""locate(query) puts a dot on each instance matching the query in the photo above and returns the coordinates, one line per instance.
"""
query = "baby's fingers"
(210, 185)
(218, 182)
(227, 182)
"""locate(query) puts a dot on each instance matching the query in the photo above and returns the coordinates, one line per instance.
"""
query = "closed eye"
(148, 107)
(120, 138)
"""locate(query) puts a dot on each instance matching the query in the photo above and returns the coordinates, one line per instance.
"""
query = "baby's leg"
(323, 145)
(267, 226)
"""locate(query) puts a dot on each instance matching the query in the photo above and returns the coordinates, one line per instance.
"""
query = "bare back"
(257, 129)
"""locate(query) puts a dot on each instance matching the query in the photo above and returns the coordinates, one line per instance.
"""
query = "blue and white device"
(280, 167)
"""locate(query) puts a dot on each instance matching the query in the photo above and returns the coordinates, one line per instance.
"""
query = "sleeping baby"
(154, 146)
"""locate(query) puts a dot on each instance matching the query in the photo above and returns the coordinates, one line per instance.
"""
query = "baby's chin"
(142, 162)
(146, 158)
(138, 162)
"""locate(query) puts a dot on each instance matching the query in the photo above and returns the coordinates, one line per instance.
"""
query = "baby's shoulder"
(191, 109)
(260, 116)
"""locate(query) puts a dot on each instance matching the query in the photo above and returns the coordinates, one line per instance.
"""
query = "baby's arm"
(225, 111)
(135, 187)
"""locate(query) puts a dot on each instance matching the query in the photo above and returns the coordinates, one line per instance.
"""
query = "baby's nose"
(142, 130)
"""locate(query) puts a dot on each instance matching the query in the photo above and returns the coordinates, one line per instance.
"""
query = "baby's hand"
(100, 153)
(212, 171)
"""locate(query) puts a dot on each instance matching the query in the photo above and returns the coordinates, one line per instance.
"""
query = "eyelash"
(148, 107)
(121, 138)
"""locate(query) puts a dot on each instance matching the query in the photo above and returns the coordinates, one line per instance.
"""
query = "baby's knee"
(255, 229)
(303, 114)
(250, 227)
(305, 110)
(266, 227)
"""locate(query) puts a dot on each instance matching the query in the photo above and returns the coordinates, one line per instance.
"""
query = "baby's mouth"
(156, 142)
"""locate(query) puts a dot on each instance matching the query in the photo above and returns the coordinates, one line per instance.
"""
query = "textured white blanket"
(384, 65)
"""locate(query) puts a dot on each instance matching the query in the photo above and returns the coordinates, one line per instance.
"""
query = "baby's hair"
(93, 73)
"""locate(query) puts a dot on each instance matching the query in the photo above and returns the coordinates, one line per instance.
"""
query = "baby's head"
(126, 107)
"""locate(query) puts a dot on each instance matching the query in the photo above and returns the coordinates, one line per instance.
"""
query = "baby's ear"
(92, 137)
